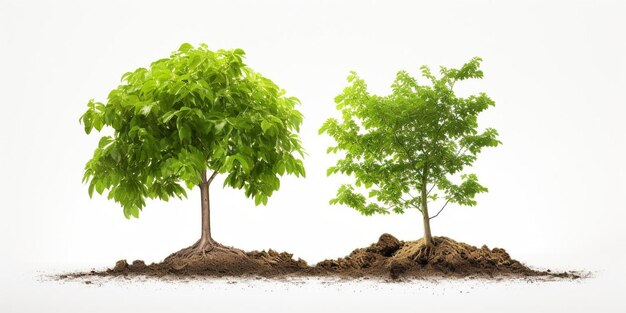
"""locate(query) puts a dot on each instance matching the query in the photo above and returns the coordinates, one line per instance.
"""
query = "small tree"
(196, 111)
(411, 146)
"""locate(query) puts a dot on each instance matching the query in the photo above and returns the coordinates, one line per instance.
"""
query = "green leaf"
(104, 141)
(280, 169)
(220, 125)
(265, 126)
(90, 190)
(185, 48)
(246, 163)
(184, 132)
(149, 86)
(331, 170)
(86, 119)
(100, 187)
(115, 154)
(134, 211)
(97, 122)
(168, 116)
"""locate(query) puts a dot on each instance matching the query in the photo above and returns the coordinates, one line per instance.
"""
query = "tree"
(196, 112)
(410, 148)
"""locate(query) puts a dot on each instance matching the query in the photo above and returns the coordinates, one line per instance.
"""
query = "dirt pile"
(221, 261)
(390, 257)
(387, 258)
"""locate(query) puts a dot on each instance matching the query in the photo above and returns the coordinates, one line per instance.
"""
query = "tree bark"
(205, 238)
(428, 238)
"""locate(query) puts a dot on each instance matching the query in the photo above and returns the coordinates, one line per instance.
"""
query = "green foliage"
(194, 111)
(410, 144)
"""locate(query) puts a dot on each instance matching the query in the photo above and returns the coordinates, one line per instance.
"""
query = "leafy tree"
(410, 147)
(196, 112)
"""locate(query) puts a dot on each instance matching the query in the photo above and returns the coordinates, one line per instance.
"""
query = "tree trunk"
(206, 243)
(205, 239)
(428, 238)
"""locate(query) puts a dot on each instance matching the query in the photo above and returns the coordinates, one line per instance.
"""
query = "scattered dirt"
(387, 258)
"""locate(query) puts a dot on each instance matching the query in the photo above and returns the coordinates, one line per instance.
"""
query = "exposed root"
(423, 254)
(198, 252)
(197, 248)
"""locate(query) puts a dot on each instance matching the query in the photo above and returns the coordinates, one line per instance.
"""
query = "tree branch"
(444, 206)
(412, 196)
(411, 204)
(406, 151)
(459, 152)
(418, 208)
(211, 178)
(431, 189)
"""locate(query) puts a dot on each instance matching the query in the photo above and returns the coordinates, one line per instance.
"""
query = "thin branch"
(418, 208)
(459, 152)
(444, 206)
(401, 198)
(431, 189)
(212, 177)
(410, 202)
(406, 151)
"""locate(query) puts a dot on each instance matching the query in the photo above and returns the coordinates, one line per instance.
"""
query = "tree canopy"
(410, 146)
(194, 111)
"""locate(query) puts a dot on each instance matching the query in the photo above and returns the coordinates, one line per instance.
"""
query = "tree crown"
(419, 135)
(194, 111)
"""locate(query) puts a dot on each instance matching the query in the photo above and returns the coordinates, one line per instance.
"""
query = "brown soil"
(220, 261)
(387, 258)
(392, 258)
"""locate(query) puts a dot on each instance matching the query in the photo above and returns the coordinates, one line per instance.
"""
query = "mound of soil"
(387, 258)
(390, 257)
(221, 261)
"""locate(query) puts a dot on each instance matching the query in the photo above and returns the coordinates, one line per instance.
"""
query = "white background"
(555, 69)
